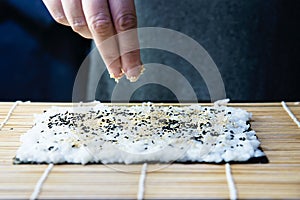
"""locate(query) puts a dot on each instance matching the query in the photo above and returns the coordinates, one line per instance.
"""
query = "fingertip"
(133, 74)
(116, 77)
(115, 71)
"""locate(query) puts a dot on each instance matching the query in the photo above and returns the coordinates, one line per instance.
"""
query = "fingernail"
(116, 77)
(133, 74)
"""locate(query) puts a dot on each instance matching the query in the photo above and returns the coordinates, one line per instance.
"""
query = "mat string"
(39, 184)
(9, 114)
(230, 182)
(141, 190)
(291, 114)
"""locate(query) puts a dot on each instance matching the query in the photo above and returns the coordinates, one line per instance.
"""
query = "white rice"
(145, 133)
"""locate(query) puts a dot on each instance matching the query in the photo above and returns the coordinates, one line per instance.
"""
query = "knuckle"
(132, 56)
(79, 28)
(79, 25)
(100, 24)
(111, 57)
(126, 21)
(61, 19)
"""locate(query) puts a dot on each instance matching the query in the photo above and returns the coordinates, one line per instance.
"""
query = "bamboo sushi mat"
(280, 178)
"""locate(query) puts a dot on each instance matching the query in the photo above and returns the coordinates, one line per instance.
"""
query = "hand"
(99, 20)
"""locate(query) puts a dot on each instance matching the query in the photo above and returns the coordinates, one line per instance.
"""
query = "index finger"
(99, 20)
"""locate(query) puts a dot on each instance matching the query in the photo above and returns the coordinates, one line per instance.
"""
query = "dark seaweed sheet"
(253, 160)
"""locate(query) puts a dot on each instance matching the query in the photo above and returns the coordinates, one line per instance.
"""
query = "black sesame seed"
(50, 148)
(208, 124)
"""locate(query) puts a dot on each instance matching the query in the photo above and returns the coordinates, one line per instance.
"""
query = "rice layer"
(143, 133)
